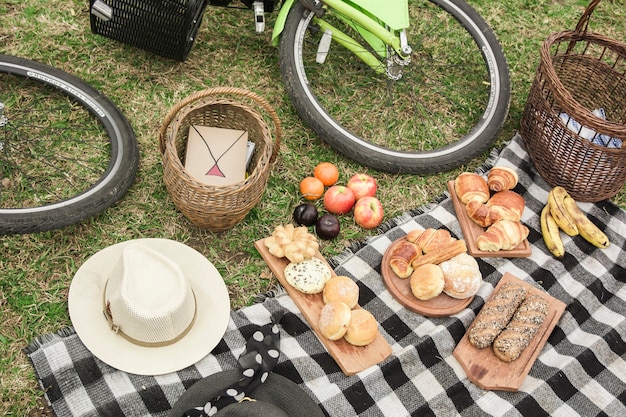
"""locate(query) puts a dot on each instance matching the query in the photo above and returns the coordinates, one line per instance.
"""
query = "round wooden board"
(400, 288)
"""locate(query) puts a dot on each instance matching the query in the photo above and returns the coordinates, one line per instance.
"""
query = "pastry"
(462, 276)
(448, 251)
(401, 256)
(341, 288)
(412, 235)
(503, 205)
(495, 315)
(433, 239)
(502, 235)
(363, 328)
(294, 243)
(427, 282)
(527, 319)
(502, 178)
(334, 320)
(309, 276)
(471, 186)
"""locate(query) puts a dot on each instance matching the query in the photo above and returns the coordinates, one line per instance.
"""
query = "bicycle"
(402, 86)
(66, 151)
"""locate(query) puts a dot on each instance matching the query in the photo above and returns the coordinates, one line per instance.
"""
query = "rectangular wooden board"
(488, 372)
(351, 359)
(471, 231)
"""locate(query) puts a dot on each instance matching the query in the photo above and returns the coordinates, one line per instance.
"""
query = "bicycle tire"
(356, 133)
(115, 139)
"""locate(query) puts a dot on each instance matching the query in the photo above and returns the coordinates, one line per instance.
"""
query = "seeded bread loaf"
(495, 314)
(516, 336)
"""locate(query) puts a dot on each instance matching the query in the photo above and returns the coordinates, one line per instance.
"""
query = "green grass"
(36, 269)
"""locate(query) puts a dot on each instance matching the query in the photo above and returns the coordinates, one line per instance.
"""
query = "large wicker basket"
(218, 208)
(579, 72)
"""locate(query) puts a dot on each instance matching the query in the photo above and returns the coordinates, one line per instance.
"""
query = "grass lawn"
(36, 269)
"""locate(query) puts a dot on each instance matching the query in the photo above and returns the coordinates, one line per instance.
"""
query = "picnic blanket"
(580, 371)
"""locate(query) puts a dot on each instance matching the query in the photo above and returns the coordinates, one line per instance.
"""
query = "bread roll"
(401, 256)
(502, 235)
(495, 314)
(308, 276)
(527, 319)
(363, 328)
(471, 186)
(341, 288)
(502, 178)
(462, 276)
(427, 282)
(334, 320)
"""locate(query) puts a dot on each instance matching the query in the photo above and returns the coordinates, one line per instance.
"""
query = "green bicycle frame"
(367, 17)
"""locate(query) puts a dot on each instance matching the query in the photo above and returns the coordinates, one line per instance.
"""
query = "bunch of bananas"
(562, 213)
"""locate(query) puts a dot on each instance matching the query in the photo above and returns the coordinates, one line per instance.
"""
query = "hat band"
(117, 329)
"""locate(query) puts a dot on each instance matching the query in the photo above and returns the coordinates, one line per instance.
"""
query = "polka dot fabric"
(256, 362)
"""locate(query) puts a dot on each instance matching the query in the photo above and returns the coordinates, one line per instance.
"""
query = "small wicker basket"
(218, 208)
(579, 71)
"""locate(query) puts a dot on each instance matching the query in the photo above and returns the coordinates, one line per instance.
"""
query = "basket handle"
(583, 23)
(222, 91)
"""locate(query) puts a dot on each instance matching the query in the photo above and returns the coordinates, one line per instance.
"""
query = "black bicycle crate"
(165, 27)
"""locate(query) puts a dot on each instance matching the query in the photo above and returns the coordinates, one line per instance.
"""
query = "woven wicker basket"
(218, 208)
(579, 71)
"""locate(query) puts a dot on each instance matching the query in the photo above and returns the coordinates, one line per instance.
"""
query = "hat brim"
(212, 315)
(277, 390)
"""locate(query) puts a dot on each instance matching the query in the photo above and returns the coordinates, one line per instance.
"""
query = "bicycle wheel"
(66, 152)
(447, 108)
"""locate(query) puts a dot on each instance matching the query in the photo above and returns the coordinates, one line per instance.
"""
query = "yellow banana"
(586, 228)
(551, 233)
(559, 212)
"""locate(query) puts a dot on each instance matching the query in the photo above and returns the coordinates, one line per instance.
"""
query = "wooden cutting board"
(351, 359)
(400, 288)
(471, 231)
(484, 369)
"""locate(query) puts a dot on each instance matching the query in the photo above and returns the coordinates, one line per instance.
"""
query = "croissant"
(502, 235)
(471, 186)
(502, 178)
(433, 239)
(503, 205)
(401, 257)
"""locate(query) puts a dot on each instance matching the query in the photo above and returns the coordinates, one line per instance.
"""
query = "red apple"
(368, 212)
(339, 199)
(362, 185)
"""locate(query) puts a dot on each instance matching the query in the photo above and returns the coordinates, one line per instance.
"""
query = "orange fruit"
(312, 188)
(327, 173)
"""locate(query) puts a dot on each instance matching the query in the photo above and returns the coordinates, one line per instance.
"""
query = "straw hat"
(149, 306)
(276, 397)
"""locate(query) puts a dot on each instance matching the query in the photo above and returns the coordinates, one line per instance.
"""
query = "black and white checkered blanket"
(580, 371)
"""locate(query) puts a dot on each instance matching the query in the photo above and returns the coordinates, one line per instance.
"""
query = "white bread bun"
(363, 328)
(427, 282)
(341, 288)
(461, 275)
(334, 320)
(308, 276)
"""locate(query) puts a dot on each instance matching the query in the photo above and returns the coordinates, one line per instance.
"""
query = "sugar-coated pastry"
(462, 276)
(334, 320)
(341, 288)
(427, 282)
(309, 276)
(363, 328)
